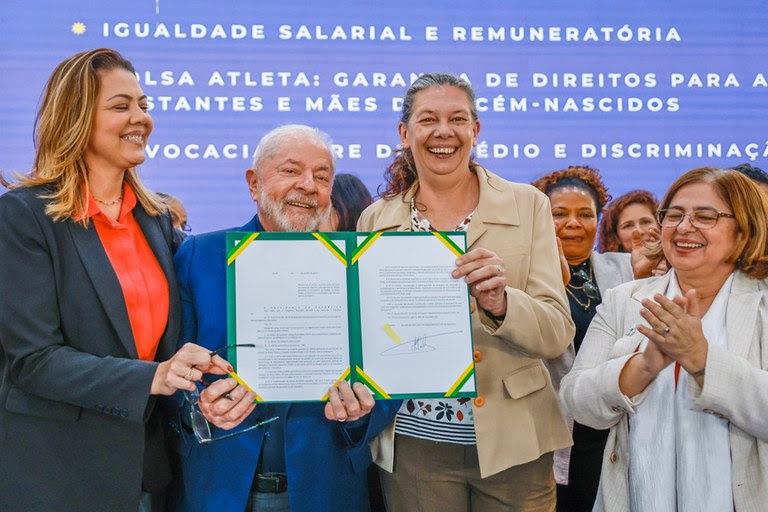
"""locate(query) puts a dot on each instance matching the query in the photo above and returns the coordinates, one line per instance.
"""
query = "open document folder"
(379, 308)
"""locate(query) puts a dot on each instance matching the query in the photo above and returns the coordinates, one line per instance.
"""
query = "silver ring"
(666, 330)
(498, 269)
(188, 376)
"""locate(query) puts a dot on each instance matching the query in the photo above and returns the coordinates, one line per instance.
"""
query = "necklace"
(109, 203)
(588, 287)
(584, 306)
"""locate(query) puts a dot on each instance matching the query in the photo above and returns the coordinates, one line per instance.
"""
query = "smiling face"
(440, 132)
(293, 186)
(121, 124)
(635, 217)
(700, 254)
(575, 216)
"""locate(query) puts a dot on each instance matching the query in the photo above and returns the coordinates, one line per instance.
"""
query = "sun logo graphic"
(78, 28)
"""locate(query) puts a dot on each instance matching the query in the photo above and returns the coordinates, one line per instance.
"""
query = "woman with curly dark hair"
(577, 195)
(633, 212)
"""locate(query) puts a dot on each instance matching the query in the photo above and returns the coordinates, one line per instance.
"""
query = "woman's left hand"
(486, 276)
(675, 327)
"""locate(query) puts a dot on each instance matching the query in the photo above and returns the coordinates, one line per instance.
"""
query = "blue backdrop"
(640, 90)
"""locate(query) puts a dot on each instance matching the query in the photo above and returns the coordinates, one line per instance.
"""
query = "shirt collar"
(129, 202)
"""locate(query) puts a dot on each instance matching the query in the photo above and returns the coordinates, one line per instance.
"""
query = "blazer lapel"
(104, 280)
(741, 315)
(161, 248)
(650, 288)
(492, 204)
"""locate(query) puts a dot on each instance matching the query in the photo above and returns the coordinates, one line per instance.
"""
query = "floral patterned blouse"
(447, 420)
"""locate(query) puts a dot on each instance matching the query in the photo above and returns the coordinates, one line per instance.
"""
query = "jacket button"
(479, 401)
(472, 307)
(614, 457)
(478, 356)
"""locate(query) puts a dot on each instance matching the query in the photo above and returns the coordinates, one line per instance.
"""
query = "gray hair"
(428, 80)
(269, 143)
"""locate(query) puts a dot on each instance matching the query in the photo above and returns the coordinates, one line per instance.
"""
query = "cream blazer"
(735, 386)
(516, 413)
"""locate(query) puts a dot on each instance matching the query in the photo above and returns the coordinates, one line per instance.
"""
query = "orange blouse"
(144, 285)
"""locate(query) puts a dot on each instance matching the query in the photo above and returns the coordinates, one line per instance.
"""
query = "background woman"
(634, 212)
(89, 306)
(349, 197)
(493, 452)
(629, 225)
(677, 363)
(577, 195)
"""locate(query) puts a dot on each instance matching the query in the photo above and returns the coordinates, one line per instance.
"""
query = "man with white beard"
(315, 456)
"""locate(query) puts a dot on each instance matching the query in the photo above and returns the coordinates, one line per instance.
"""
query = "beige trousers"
(445, 477)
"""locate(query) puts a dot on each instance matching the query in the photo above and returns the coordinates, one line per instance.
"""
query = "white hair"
(270, 143)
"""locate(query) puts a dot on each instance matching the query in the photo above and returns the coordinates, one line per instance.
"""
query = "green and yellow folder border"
(238, 242)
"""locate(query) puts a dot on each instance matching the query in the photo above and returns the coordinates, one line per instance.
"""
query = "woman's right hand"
(640, 370)
(654, 360)
(226, 404)
(186, 366)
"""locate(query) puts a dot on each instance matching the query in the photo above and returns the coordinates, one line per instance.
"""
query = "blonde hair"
(62, 132)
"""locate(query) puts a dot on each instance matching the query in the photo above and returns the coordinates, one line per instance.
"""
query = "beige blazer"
(735, 386)
(516, 413)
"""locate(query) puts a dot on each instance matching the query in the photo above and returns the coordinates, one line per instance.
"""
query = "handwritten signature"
(416, 345)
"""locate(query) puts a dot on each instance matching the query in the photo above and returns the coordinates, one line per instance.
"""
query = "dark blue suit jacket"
(326, 461)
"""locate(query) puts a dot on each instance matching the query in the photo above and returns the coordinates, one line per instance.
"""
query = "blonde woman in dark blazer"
(89, 308)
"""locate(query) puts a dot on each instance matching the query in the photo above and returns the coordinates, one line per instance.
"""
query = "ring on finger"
(666, 330)
(188, 376)
(498, 269)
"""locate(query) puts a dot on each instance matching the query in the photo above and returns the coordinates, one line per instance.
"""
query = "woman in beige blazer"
(494, 452)
(676, 365)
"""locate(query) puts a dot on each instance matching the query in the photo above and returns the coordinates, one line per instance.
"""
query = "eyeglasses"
(704, 218)
(186, 228)
(590, 288)
(200, 426)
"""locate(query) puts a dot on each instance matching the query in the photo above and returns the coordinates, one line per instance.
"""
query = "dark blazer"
(326, 461)
(76, 417)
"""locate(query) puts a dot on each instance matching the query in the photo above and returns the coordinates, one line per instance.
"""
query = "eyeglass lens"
(200, 426)
(698, 218)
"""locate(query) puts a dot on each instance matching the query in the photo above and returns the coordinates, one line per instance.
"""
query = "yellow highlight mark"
(391, 333)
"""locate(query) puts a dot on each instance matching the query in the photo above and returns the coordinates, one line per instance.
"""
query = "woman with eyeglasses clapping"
(677, 366)
(577, 196)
